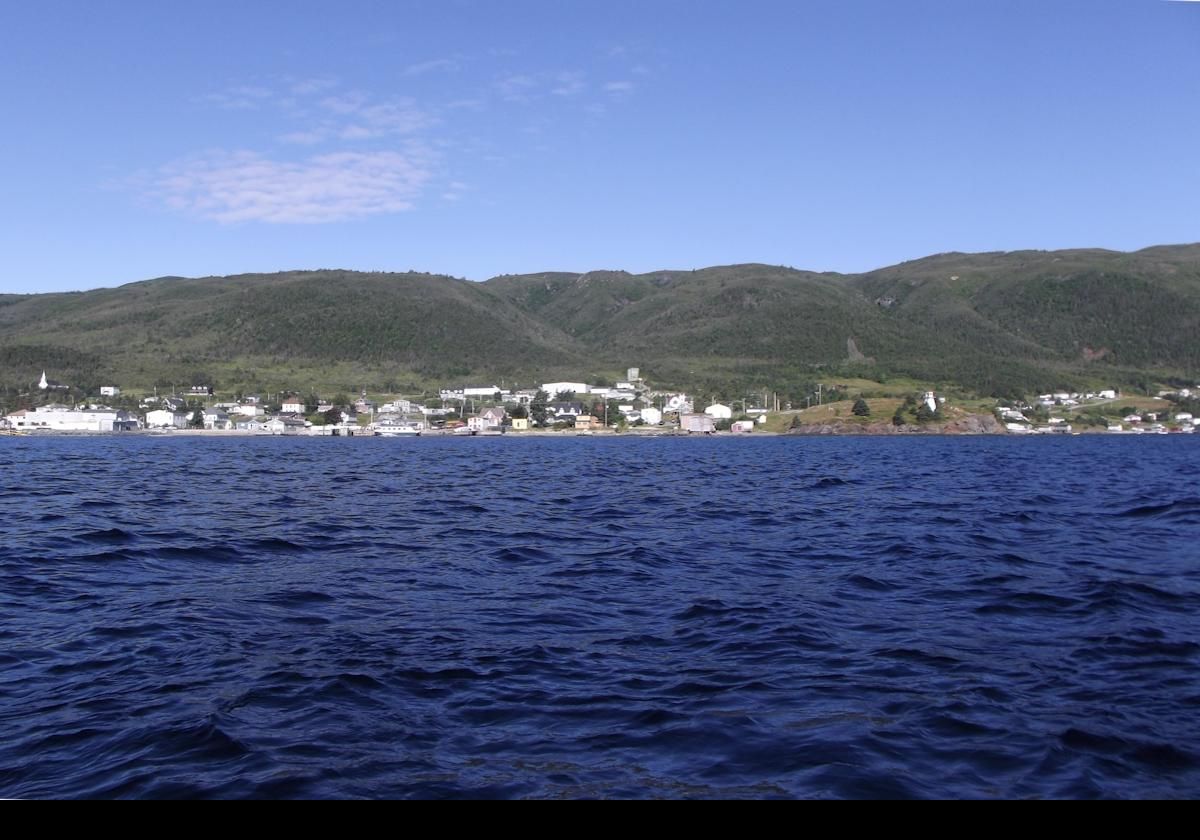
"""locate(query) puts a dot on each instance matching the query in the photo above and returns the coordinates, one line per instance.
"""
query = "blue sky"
(480, 138)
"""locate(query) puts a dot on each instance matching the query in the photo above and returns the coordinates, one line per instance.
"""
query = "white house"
(285, 426)
(651, 416)
(258, 425)
(493, 418)
(216, 419)
(742, 426)
(161, 418)
(717, 411)
(696, 423)
(110, 391)
(292, 405)
(562, 410)
(480, 423)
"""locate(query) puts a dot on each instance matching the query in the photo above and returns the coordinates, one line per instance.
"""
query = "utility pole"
(819, 393)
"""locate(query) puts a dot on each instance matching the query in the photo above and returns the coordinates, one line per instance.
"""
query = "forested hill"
(995, 323)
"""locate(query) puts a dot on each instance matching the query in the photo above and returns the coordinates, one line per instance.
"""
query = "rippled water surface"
(580, 617)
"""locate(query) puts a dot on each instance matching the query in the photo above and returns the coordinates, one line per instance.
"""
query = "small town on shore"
(630, 405)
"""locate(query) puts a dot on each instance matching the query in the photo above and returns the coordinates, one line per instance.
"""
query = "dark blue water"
(583, 617)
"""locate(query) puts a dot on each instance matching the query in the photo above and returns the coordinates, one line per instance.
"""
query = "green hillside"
(332, 329)
(995, 323)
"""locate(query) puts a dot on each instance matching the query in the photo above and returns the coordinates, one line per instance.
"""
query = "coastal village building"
(162, 418)
(216, 419)
(62, 419)
(110, 391)
(677, 402)
(564, 410)
(492, 419)
(292, 405)
(555, 388)
(697, 424)
(482, 392)
(717, 411)
(285, 426)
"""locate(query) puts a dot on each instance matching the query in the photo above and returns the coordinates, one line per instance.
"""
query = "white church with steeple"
(50, 385)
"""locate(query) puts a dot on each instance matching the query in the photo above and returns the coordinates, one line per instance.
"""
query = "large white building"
(484, 392)
(576, 388)
(61, 419)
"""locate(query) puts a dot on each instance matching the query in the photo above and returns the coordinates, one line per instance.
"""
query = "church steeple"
(44, 384)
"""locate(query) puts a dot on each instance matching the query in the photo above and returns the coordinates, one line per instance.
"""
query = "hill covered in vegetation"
(995, 323)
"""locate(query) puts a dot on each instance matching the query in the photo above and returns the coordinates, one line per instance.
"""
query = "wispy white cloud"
(618, 87)
(354, 116)
(470, 104)
(232, 187)
(517, 87)
(436, 65)
(311, 87)
(568, 84)
(344, 103)
(240, 98)
(304, 138)
(454, 191)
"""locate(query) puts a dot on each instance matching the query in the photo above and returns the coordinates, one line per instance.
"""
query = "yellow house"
(520, 424)
(587, 421)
